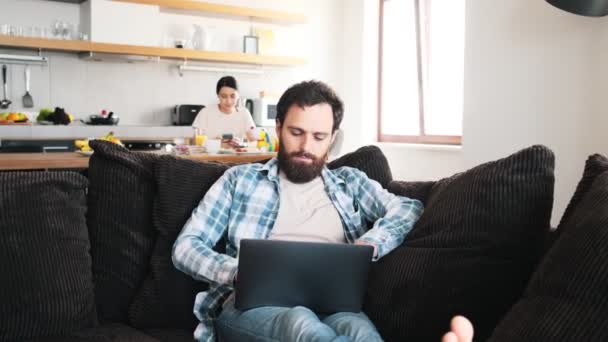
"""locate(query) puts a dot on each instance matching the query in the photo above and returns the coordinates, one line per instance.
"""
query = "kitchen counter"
(74, 160)
(80, 131)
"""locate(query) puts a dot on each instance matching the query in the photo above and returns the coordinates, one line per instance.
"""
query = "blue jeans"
(298, 324)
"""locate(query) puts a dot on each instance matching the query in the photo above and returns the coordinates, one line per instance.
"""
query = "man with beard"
(292, 197)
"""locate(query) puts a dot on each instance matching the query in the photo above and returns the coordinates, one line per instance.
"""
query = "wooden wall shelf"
(254, 13)
(170, 53)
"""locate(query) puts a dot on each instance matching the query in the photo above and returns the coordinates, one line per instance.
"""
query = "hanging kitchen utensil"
(28, 101)
(5, 102)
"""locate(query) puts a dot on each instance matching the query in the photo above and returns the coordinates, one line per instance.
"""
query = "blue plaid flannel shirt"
(244, 204)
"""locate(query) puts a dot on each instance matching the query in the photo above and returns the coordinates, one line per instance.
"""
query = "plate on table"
(85, 153)
(239, 151)
(248, 152)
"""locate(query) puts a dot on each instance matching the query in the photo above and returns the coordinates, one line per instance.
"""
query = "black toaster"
(184, 115)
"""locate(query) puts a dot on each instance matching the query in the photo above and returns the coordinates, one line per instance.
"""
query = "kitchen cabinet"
(75, 131)
(70, 1)
(239, 11)
(121, 23)
(198, 6)
(168, 53)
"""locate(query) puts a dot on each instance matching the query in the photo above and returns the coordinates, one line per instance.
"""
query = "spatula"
(28, 102)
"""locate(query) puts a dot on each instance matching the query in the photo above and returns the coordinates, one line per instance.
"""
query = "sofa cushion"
(109, 332)
(471, 252)
(594, 166)
(166, 298)
(368, 159)
(47, 286)
(172, 335)
(120, 199)
(566, 299)
(416, 190)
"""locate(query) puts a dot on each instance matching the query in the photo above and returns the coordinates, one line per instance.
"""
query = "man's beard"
(298, 172)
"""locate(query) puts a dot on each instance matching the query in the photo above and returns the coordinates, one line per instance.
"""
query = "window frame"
(422, 138)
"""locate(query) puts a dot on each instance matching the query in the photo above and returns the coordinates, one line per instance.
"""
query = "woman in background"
(225, 119)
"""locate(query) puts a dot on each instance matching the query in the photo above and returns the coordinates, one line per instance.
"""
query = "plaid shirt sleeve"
(393, 216)
(193, 251)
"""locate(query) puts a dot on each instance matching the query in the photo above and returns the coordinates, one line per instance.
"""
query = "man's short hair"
(310, 93)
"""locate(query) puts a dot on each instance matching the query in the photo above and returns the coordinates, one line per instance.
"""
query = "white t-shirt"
(213, 123)
(306, 213)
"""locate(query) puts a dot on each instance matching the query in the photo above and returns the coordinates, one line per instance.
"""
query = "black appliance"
(145, 145)
(36, 146)
(184, 115)
(249, 105)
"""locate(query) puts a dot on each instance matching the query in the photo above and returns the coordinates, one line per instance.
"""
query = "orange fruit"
(13, 117)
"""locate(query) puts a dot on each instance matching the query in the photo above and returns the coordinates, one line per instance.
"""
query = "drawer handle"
(54, 148)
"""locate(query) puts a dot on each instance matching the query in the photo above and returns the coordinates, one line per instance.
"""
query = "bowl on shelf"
(102, 120)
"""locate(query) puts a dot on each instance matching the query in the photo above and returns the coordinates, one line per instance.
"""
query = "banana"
(111, 138)
(81, 143)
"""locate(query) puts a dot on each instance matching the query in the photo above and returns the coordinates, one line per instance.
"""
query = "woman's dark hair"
(310, 93)
(226, 81)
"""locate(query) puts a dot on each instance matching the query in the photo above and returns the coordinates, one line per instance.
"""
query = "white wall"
(529, 79)
(600, 81)
(143, 93)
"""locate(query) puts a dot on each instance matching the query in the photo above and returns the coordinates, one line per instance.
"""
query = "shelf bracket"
(24, 59)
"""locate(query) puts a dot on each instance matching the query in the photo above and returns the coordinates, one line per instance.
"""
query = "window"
(421, 67)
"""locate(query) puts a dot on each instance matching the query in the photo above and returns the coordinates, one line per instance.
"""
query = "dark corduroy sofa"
(87, 257)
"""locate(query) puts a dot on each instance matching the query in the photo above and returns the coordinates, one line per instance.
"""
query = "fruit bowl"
(13, 118)
(14, 122)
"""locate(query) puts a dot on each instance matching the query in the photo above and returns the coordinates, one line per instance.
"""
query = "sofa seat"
(116, 332)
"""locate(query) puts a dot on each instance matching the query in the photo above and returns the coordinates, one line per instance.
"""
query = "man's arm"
(393, 216)
(193, 251)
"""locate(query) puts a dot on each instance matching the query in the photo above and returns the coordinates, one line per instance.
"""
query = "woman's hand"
(234, 142)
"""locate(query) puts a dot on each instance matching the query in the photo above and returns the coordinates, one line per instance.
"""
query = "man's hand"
(365, 243)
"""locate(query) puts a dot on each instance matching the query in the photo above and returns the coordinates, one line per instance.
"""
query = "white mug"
(213, 145)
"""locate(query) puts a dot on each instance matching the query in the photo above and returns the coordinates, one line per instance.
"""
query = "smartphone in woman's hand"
(230, 140)
(226, 138)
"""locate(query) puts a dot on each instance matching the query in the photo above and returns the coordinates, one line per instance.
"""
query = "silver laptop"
(324, 277)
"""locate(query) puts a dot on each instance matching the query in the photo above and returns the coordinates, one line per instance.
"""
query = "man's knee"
(301, 324)
(298, 316)
(355, 325)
